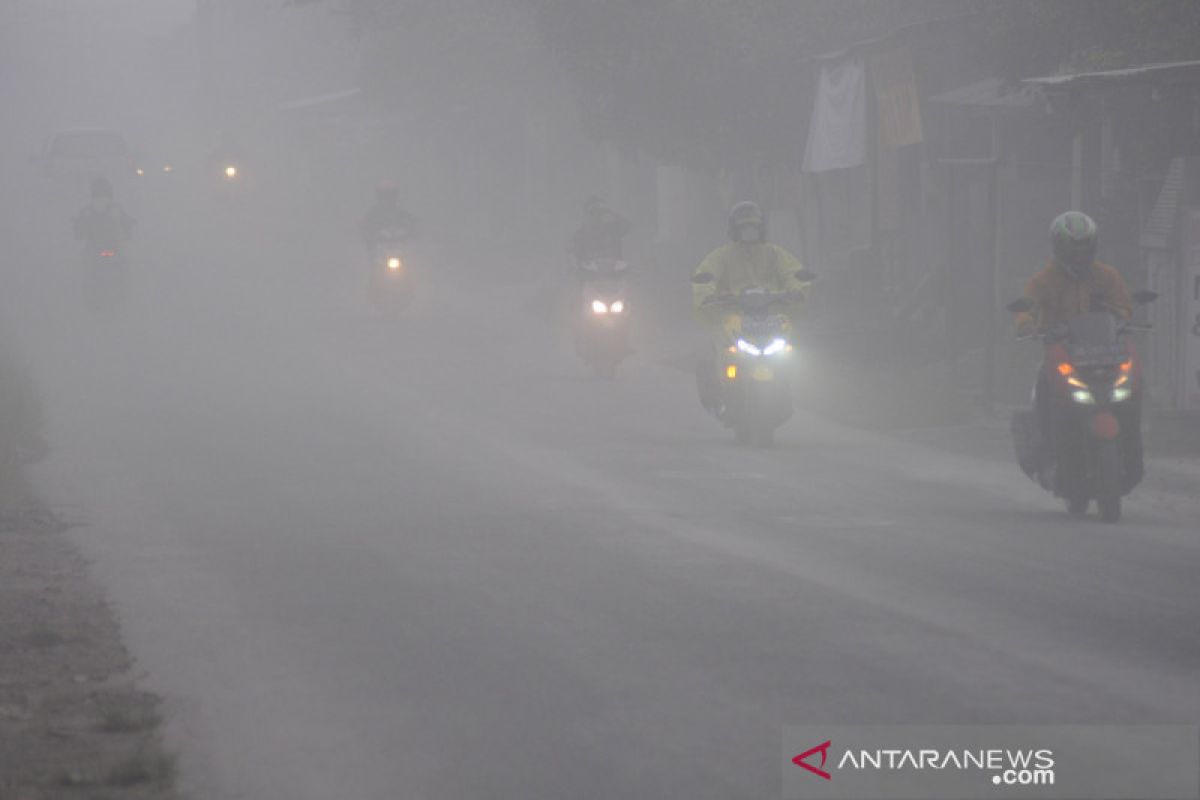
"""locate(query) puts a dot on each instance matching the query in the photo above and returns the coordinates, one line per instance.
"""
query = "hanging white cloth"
(837, 134)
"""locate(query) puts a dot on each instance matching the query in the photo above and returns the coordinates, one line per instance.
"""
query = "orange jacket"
(1057, 297)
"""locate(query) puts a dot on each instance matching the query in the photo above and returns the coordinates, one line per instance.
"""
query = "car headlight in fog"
(167, 168)
(599, 307)
(139, 172)
(1121, 394)
(617, 306)
(1083, 397)
(394, 263)
(231, 171)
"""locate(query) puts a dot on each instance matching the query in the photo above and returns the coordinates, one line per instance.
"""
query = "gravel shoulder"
(73, 722)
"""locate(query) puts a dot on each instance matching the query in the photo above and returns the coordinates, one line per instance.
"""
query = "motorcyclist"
(748, 261)
(387, 215)
(1073, 283)
(601, 235)
(102, 220)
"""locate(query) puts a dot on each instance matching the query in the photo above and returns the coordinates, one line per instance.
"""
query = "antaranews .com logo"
(991, 762)
(1022, 767)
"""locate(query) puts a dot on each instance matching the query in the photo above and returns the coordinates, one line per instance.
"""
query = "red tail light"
(108, 253)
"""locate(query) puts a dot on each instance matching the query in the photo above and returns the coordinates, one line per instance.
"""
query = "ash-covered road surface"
(436, 559)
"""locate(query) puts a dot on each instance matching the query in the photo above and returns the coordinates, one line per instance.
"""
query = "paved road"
(437, 560)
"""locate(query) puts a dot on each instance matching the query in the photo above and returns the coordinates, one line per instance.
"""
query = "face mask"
(748, 234)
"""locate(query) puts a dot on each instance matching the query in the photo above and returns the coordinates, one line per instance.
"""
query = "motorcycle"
(105, 276)
(1090, 391)
(751, 370)
(229, 181)
(602, 330)
(390, 281)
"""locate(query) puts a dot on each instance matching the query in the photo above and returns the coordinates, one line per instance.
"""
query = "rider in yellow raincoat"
(748, 261)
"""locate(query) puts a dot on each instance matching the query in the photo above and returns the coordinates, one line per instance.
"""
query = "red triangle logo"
(801, 760)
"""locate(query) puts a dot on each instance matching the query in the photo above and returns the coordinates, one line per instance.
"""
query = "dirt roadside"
(73, 722)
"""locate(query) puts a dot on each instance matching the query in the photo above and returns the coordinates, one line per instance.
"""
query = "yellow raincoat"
(737, 266)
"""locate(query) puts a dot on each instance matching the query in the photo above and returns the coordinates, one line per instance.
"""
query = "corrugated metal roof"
(1173, 72)
(991, 93)
(1158, 232)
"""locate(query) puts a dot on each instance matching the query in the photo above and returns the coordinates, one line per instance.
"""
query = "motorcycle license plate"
(762, 374)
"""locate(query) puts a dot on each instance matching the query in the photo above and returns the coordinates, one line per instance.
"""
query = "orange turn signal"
(731, 371)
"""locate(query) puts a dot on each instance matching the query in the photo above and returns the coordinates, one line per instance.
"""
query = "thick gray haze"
(429, 555)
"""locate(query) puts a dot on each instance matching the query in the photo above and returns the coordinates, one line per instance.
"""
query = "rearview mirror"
(1022, 306)
(1144, 296)
(703, 278)
(805, 275)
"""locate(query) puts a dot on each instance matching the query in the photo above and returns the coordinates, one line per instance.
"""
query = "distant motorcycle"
(104, 234)
(229, 181)
(1093, 378)
(602, 327)
(753, 364)
(105, 276)
(390, 286)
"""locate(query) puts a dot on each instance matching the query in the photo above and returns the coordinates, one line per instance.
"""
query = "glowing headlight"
(231, 171)
(1121, 394)
(1083, 397)
(140, 172)
(748, 348)
(1078, 384)
(167, 168)
(598, 307)
(394, 263)
(776, 346)
(617, 306)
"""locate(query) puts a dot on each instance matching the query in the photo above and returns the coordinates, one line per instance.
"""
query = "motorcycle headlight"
(394, 263)
(231, 171)
(617, 306)
(776, 346)
(599, 307)
(1083, 397)
(140, 172)
(749, 348)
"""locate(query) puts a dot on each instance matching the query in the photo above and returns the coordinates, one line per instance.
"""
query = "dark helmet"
(1073, 237)
(101, 187)
(747, 214)
(387, 192)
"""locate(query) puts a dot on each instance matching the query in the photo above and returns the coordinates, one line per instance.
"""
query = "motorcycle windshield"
(757, 303)
(1093, 339)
